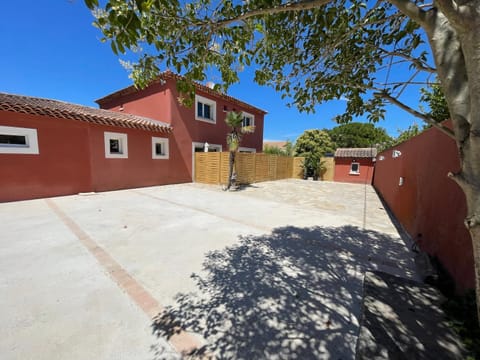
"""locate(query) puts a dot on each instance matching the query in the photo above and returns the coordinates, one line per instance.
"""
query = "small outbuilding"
(355, 165)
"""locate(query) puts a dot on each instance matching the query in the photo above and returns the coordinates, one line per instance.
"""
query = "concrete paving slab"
(272, 271)
(403, 319)
(56, 302)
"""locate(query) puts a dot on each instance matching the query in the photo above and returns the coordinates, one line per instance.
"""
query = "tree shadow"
(293, 294)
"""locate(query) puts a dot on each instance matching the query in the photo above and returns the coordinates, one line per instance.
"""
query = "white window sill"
(210, 121)
(354, 173)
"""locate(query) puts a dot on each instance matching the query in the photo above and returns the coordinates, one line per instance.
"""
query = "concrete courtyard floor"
(272, 271)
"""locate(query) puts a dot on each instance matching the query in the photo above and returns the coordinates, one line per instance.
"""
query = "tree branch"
(416, 62)
(416, 113)
(289, 6)
(411, 10)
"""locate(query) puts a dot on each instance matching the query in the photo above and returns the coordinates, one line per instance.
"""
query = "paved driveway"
(272, 271)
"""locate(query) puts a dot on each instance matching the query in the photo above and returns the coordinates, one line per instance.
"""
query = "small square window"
(206, 109)
(160, 148)
(248, 120)
(355, 168)
(20, 140)
(116, 145)
(16, 140)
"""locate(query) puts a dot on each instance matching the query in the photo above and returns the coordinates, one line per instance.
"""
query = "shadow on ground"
(293, 294)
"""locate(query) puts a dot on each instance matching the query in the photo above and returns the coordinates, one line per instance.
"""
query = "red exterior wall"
(139, 169)
(62, 167)
(428, 203)
(72, 159)
(342, 170)
(160, 102)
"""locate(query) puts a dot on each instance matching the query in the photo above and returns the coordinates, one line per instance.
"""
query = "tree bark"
(230, 170)
(456, 50)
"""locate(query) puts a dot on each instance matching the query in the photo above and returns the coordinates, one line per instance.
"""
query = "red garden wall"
(429, 205)
(342, 170)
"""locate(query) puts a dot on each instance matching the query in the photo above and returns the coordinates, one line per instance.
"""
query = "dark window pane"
(114, 146)
(199, 109)
(13, 139)
(159, 149)
(206, 111)
(355, 167)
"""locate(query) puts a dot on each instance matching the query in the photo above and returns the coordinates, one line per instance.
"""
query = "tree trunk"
(455, 42)
(230, 170)
(475, 233)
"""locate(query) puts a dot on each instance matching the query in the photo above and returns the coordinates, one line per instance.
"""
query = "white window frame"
(31, 141)
(164, 142)
(247, 150)
(123, 140)
(213, 109)
(355, 172)
(244, 115)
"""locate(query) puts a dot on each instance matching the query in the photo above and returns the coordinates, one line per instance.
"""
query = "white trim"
(196, 144)
(247, 150)
(245, 114)
(123, 142)
(31, 140)
(164, 142)
(213, 109)
(354, 172)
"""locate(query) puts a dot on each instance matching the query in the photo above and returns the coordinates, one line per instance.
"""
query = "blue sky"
(50, 49)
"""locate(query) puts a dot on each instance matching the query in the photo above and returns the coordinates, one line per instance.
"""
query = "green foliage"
(411, 131)
(313, 55)
(312, 145)
(436, 101)
(358, 135)
(234, 120)
(286, 150)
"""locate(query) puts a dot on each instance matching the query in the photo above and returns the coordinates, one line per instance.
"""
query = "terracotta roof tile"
(356, 152)
(64, 110)
(277, 144)
(170, 75)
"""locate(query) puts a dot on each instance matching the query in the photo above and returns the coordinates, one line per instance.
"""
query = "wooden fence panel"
(297, 168)
(245, 168)
(328, 173)
(224, 167)
(213, 167)
(282, 167)
(207, 167)
(261, 167)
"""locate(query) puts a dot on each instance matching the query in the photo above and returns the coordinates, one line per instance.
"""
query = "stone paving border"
(182, 342)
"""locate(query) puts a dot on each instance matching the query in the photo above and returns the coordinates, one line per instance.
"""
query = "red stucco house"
(50, 147)
(355, 165)
(192, 127)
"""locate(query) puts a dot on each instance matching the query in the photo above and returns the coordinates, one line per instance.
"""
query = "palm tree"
(234, 137)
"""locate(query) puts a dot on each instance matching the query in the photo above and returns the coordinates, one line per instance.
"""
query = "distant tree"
(286, 150)
(289, 148)
(411, 131)
(433, 96)
(439, 112)
(273, 150)
(358, 135)
(235, 121)
(312, 145)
